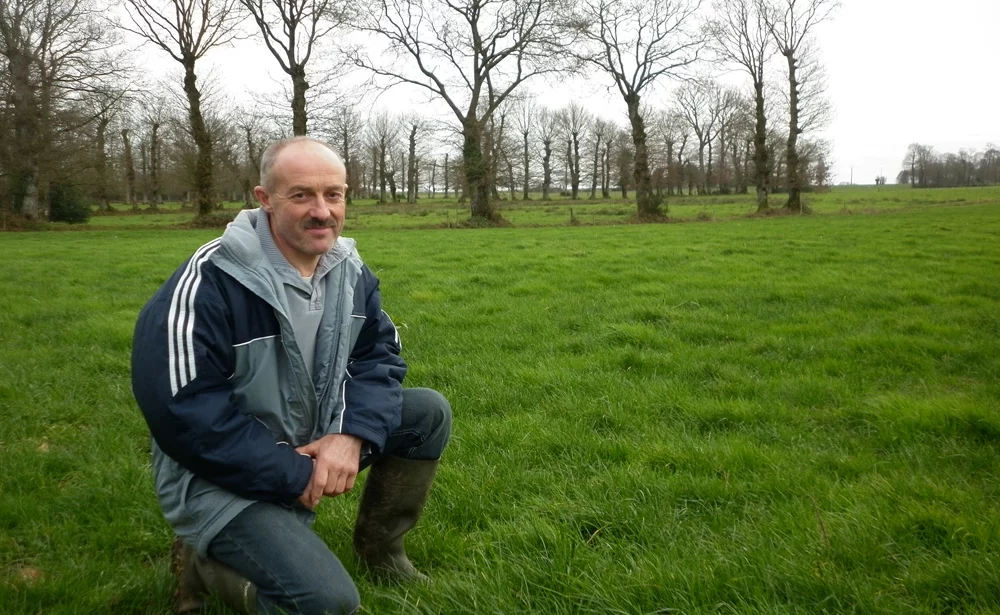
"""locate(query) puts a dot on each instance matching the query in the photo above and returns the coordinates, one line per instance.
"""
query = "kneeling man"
(270, 376)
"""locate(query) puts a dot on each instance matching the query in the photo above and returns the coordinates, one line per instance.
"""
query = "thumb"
(308, 449)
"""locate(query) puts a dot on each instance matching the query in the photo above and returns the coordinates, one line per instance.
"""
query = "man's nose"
(319, 208)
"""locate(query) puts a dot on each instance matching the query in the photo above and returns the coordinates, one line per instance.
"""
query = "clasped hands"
(336, 458)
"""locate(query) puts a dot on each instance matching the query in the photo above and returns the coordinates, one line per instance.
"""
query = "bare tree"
(637, 42)
(603, 131)
(348, 125)
(414, 126)
(187, 30)
(56, 52)
(525, 120)
(741, 35)
(548, 123)
(790, 23)
(154, 112)
(382, 133)
(251, 126)
(129, 164)
(472, 55)
(575, 122)
(697, 101)
(291, 30)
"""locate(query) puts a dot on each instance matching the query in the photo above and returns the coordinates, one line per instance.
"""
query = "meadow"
(797, 414)
(439, 212)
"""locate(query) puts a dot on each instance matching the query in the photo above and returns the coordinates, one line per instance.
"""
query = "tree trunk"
(446, 176)
(345, 150)
(527, 173)
(606, 171)
(101, 164)
(701, 166)
(791, 151)
(129, 172)
(671, 171)
(593, 176)
(510, 175)
(411, 171)
(25, 135)
(707, 180)
(574, 160)
(203, 166)
(299, 87)
(723, 178)
(380, 154)
(647, 203)
(154, 165)
(547, 169)
(482, 207)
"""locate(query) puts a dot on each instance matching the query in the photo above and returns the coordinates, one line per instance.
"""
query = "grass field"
(786, 415)
(446, 213)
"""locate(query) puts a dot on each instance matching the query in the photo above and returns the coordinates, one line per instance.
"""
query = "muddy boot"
(393, 499)
(198, 576)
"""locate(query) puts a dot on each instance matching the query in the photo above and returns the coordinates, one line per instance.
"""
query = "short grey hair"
(270, 155)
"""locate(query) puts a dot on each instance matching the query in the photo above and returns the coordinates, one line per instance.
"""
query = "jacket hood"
(244, 254)
(243, 244)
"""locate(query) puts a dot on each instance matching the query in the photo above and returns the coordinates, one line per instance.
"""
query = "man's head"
(303, 187)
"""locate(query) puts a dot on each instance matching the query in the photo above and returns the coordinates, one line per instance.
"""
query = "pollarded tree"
(291, 29)
(576, 124)
(636, 42)
(790, 22)
(186, 30)
(548, 130)
(696, 101)
(470, 54)
(382, 133)
(602, 131)
(740, 35)
(347, 126)
(525, 115)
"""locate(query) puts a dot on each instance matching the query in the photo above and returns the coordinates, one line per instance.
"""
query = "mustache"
(318, 223)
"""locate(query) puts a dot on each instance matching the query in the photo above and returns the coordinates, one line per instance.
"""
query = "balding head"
(270, 157)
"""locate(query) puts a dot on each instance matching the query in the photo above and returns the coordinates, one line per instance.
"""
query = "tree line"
(80, 117)
(925, 168)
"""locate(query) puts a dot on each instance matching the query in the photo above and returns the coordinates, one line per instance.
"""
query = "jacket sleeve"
(182, 358)
(373, 387)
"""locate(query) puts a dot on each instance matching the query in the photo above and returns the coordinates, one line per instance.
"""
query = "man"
(269, 376)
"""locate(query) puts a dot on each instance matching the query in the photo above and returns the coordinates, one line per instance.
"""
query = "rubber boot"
(390, 506)
(197, 576)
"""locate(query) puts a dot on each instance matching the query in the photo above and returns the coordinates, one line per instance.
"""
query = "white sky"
(900, 71)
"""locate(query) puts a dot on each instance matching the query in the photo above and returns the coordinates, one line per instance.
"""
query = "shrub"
(65, 205)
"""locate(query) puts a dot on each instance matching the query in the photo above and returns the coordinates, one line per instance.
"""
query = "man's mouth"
(319, 224)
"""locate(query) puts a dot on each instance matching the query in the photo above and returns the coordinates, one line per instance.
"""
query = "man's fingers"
(319, 480)
(308, 449)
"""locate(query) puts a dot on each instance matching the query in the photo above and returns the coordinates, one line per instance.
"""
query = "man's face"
(306, 205)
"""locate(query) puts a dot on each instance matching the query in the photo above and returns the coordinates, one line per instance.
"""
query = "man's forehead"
(306, 159)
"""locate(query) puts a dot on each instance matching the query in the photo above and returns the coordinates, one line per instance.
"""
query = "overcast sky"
(900, 71)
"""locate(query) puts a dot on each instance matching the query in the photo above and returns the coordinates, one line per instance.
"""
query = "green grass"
(438, 212)
(788, 415)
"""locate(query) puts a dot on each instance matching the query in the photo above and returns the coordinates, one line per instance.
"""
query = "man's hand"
(335, 466)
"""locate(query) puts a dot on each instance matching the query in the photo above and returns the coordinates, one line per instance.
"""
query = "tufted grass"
(789, 415)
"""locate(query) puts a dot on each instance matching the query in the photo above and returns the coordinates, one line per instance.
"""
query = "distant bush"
(65, 205)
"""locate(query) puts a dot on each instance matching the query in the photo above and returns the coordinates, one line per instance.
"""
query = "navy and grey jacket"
(225, 391)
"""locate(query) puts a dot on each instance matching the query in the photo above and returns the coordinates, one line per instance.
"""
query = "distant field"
(560, 211)
(788, 415)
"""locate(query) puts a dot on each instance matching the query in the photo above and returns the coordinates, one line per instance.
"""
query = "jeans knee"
(332, 601)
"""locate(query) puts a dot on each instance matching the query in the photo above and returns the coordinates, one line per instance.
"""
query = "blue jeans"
(274, 546)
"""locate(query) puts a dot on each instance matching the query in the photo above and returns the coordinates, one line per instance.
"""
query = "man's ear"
(263, 198)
